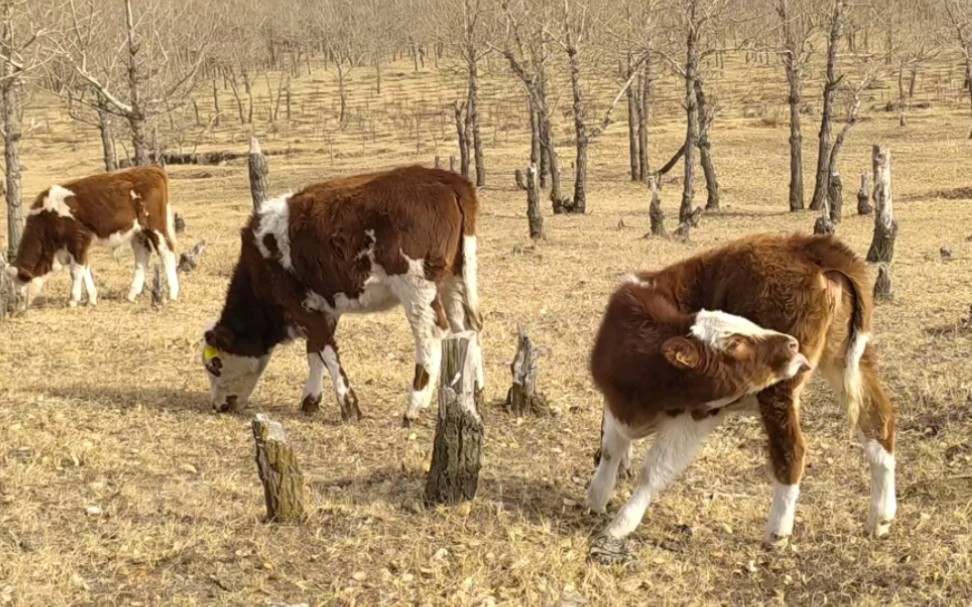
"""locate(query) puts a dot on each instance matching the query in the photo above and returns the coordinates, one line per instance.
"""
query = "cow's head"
(27, 285)
(232, 377)
(726, 356)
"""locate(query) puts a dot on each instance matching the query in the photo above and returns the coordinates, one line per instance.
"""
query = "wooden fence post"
(523, 397)
(534, 216)
(283, 482)
(457, 449)
(258, 173)
(885, 227)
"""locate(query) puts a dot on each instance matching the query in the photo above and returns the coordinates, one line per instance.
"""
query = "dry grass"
(118, 486)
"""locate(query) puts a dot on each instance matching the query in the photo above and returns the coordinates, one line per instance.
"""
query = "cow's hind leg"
(676, 442)
(427, 317)
(141, 251)
(453, 302)
(169, 263)
(81, 278)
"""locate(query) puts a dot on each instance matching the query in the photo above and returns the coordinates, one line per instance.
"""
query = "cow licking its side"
(672, 374)
(358, 244)
(815, 289)
(111, 209)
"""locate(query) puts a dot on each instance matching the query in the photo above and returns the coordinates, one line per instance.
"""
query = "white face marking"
(783, 511)
(238, 377)
(715, 327)
(55, 202)
(884, 504)
(275, 220)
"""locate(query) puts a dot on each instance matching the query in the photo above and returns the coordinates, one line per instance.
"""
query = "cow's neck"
(250, 311)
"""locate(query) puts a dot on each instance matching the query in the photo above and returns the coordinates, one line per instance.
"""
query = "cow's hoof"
(311, 404)
(132, 297)
(776, 542)
(406, 421)
(349, 408)
(607, 550)
(878, 529)
(72, 304)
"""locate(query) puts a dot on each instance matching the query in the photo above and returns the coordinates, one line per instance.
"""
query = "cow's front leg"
(779, 409)
(78, 272)
(615, 446)
(322, 353)
(347, 399)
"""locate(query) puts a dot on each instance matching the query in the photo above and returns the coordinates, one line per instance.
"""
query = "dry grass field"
(118, 486)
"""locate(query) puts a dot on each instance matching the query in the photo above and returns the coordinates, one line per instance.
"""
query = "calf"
(111, 209)
(815, 289)
(357, 244)
(671, 373)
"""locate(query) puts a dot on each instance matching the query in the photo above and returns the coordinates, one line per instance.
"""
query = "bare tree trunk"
(553, 162)
(633, 151)
(836, 198)
(136, 118)
(863, 206)
(342, 116)
(534, 216)
(791, 64)
(830, 89)
(107, 139)
(902, 116)
(377, 77)
(472, 115)
(968, 78)
(258, 171)
(643, 108)
(535, 153)
(544, 158)
(461, 123)
(885, 227)
(691, 129)
(9, 87)
(215, 103)
(706, 117)
(655, 213)
(580, 128)
(523, 397)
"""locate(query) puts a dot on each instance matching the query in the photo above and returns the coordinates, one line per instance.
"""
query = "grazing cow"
(657, 365)
(111, 209)
(813, 288)
(356, 244)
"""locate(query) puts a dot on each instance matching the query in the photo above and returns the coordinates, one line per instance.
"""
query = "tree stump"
(8, 291)
(523, 397)
(157, 300)
(518, 180)
(690, 222)
(824, 225)
(655, 213)
(179, 223)
(863, 206)
(885, 227)
(258, 173)
(283, 482)
(882, 286)
(457, 448)
(835, 196)
(190, 259)
(534, 217)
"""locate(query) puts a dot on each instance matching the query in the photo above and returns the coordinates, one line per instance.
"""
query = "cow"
(350, 245)
(113, 209)
(813, 288)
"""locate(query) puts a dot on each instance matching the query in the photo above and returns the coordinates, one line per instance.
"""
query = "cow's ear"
(681, 353)
(220, 338)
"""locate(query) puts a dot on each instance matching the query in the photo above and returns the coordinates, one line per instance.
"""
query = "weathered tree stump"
(518, 180)
(885, 227)
(523, 397)
(190, 259)
(534, 217)
(824, 225)
(457, 448)
(8, 291)
(690, 222)
(157, 300)
(565, 206)
(258, 173)
(835, 197)
(179, 223)
(863, 206)
(882, 286)
(655, 213)
(283, 482)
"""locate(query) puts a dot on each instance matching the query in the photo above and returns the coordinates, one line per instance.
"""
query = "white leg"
(77, 280)
(883, 502)
(169, 261)
(782, 512)
(614, 447)
(347, 400)
(89, 286)
(141, 266)
(677, 439)
(311, 398)
(417, 294)
(453, 294)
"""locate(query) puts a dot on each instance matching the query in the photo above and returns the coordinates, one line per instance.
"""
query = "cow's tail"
(468, 259)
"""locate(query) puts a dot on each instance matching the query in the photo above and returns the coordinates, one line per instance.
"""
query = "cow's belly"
(119, 238)
(377, 296)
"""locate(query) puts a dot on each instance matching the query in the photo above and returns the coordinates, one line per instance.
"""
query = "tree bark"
(885, 227)
(633, 150)
(523, 397)
(863, 206)
(534, 216)
(706, 117)
(691, 128)
(457, 447)
(109, 155)
(835, 197)
(9, 87)
(283, 482)
(216, 109)
(655, 213)
(472, 115)
(643, 110)
(258, 171)
(968, 78)
(8, 291)
(136, 117)
(580, 128)
(461, 123)
(830, 89)
(791, 63)
(342, 115)
(882, 286)
(535, 153)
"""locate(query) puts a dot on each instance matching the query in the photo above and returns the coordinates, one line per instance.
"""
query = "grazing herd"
(738, 329)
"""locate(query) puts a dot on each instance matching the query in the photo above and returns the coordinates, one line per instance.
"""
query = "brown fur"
(646, 362)
(419, 212)
(102, 205)
(811, 287)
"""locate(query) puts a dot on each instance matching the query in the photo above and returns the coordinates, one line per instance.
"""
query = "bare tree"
(822, 183)
(795, 53)
(472, 50)
(960, 16)
(21, 28)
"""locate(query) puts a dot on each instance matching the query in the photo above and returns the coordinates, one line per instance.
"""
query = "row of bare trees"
(136, 68)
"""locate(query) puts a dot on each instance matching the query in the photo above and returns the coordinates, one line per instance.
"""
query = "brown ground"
(119, 486)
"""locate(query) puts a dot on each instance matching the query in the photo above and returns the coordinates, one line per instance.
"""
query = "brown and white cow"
(811, 287)
(130, 206)
(358, 244)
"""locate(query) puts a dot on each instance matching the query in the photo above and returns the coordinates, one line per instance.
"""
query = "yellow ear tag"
(210, 353)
